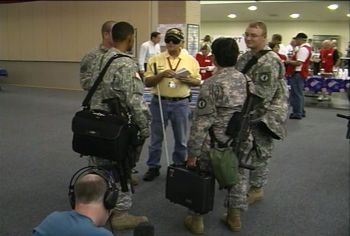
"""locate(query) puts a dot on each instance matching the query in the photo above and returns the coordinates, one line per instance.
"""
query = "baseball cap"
(301, 36)
(174, 33)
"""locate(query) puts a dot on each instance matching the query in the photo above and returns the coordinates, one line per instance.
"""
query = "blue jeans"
(177, 112)
(296, 94)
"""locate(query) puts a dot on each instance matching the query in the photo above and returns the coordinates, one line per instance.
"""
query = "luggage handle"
(196, 169)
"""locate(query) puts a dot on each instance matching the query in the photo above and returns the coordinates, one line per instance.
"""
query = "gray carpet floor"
(307, 193)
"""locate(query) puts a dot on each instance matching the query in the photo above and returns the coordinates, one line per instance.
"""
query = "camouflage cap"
(175, 32)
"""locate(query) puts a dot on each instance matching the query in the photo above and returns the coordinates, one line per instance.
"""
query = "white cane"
(162, 118)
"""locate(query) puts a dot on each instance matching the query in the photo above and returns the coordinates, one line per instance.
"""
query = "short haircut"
(277, 37)
(90, 188)
(107, 26)
(260, 25)
(121, 31)
(225, 51)
(272, 45)
(154, 34)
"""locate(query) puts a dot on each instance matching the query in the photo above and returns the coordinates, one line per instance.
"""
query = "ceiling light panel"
(294, 15)
(333, 7)
(252, 8)
(232, 16)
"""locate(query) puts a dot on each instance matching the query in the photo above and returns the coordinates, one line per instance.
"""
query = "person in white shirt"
(147, 50)
(291, 48)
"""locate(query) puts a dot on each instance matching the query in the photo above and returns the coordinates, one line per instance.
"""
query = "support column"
(185, 13)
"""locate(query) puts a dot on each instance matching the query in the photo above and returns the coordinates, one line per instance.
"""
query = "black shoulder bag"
(100, 133)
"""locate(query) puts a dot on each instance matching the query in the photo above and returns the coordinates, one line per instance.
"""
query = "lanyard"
(171, 66)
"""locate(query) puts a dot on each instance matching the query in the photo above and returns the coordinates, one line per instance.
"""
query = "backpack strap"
(86, 102)
(254, 60)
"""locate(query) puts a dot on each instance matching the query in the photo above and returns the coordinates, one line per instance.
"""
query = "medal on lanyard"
(172, 83)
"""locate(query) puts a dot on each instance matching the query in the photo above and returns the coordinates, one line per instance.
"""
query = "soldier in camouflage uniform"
(220, 96)
(271, 114)
(87, 62)
(121, 81)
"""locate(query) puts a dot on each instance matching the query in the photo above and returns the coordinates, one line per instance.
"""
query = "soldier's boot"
(233, 219)
(255, 194)
(194, 224)
(122, 220)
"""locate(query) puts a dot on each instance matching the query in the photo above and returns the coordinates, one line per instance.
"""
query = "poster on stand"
(192, 39)
(239, 39)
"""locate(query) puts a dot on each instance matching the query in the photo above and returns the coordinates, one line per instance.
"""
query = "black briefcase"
(190, 188)
(98, 133)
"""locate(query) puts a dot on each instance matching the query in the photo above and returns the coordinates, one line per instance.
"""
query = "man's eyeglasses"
(173, 40)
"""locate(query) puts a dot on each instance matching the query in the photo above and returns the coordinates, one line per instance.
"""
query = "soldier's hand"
(144, 133)
(191, 162)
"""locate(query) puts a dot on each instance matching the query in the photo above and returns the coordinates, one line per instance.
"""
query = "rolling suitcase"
(190, 188)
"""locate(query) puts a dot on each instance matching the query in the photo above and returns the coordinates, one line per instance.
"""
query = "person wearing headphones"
(92, 194)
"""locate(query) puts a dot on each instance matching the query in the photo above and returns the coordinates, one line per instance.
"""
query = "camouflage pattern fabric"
(86, 65)
(220, 96)
(268, 78)
(120, 81)
(269, 83)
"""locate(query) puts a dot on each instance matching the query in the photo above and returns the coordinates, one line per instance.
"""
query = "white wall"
(286, 29)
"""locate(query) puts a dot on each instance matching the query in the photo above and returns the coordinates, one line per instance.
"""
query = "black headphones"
(111, 196)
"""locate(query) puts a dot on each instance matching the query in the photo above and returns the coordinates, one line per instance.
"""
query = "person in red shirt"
(275, 47)
(326, 56)
(204, 58)
(327, 63)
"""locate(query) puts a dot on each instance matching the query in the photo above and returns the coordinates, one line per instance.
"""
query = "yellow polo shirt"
(182, 61)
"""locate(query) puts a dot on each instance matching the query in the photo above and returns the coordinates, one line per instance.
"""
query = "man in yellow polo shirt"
(173, 90)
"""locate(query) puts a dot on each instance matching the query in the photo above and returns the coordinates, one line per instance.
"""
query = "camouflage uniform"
(220, 96)
(122, 81)
(87, 63)
(269, 83)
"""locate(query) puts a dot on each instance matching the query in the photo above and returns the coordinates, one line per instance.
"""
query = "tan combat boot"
(254, 195)
(194, 224)
(134, 180)
(122, 220)
(233, 219)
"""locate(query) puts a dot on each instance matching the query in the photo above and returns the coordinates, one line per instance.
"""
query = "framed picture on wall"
(133, 51)
(192, 39)
(318, 39)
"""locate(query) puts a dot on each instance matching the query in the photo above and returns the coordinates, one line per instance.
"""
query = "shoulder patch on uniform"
(264, 77)
(201, 104)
